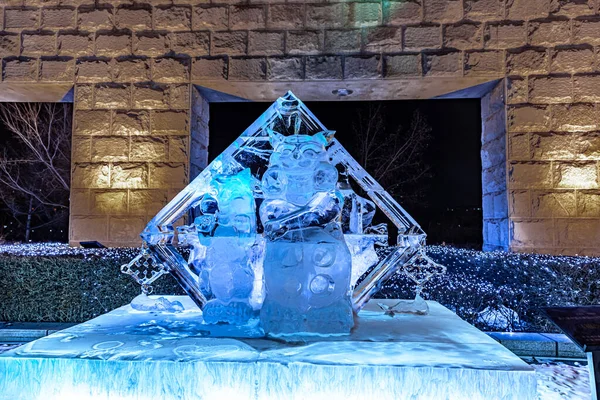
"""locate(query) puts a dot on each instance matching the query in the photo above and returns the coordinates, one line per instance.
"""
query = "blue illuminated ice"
(275, 228)
(307, 267)
(228, 249)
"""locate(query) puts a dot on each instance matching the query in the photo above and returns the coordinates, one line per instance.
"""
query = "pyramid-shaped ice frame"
(251, 151)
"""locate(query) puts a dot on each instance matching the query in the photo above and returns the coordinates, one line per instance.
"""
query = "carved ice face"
(298, 153)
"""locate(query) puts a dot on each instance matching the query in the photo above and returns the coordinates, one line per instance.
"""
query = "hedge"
(53, 282)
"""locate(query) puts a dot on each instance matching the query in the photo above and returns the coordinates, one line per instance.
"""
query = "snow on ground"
(563, 381)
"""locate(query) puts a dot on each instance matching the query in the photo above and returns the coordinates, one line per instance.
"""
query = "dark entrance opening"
(446, 196)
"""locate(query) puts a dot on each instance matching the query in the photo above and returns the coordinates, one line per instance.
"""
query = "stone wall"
(133, 65)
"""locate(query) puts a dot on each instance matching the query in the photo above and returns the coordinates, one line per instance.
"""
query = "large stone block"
(110, 148)
(527, 62)
(403, 12)
(229, 43)
(266, 43)
(324, 67)
(150, 96)
(576, 175)
(190, 43)
(84, 97)
(168, 175)
(43, 44)
(550, 33)
(587, 88)
(125, 230)
(520, 203)
(483, 63)
(588, 203)
(88, 228)
(363, 67)
(107, 202)
(443, 64)
(582, 117)
(319, 16)
(173, 18)
(20, 70)
(170, 123)
(586, 31)
(86, 176)
(94, 70)
(463, 36)
(493, 153)
(150, 44)
(443, 10)
(9, 45)
(342, 41)
(179, 149)
(526, 175)
(148, 148)
(129, 176)
(579, 233)
(130, 123)
(21, 18)
(517, 90)
(553, 204)
(209, 68)
(130, 70)
(527, 9)
(285, 69)
(247, 17)
(519, 147)
(572, 8)
(247, 69)
(95, 18)
(134, 18)
(75, 44)
(554, 146)
(422, 37)
(81, 149)
(113, 44)
(364, 14)
(92, 122)
(210, 18)
(532, 232)
(286, 16)
(484, 10)
(383, 39)
(57, 70)
(577, 59)
(79, 201)
(304, 42)
(505, 35)
(550, 89)
(171, 70)
(58, 17)
(112, 96)
(146, 202)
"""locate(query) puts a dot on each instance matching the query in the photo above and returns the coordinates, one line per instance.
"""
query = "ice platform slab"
(128, 354)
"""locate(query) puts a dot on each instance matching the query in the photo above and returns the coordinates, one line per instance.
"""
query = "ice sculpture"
(225, 261)
(314, 241)
(307, 266)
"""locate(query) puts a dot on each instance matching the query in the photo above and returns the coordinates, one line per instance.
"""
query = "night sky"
(453, 214)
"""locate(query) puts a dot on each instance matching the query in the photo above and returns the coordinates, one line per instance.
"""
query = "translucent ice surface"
(128, 354)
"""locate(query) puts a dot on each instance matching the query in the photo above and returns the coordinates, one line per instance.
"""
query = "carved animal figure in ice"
(227, 233)
(307, 266)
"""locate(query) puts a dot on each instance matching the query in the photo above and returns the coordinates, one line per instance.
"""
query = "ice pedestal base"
(127, 354)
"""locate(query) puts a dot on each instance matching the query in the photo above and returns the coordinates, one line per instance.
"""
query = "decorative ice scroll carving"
(312, 238)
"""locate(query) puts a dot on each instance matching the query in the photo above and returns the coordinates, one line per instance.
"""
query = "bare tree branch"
(35, 169)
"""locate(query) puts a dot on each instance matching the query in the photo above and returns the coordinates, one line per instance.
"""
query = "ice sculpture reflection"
(313, 238)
